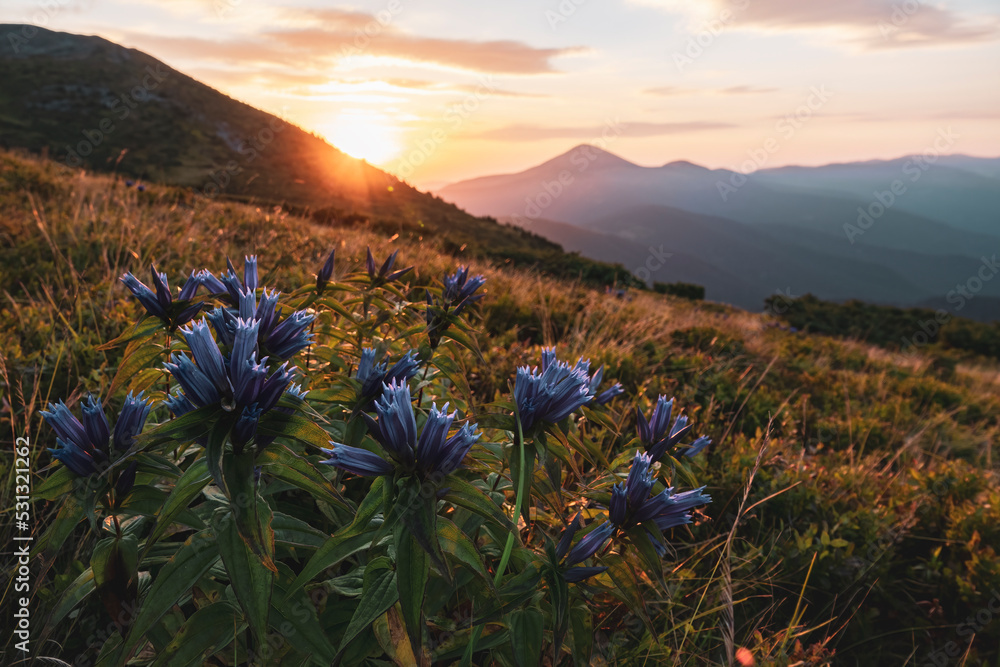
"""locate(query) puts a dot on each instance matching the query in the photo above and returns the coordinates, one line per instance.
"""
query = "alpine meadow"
(453, 357)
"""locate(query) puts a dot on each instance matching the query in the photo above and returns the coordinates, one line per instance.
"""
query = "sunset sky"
(442, 90)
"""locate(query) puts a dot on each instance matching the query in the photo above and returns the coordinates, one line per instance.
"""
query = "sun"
(364, 138)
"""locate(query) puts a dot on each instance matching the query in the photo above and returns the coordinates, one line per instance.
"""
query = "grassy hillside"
(856, 498)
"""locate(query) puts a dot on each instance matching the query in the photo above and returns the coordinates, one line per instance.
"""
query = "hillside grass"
(857, 509)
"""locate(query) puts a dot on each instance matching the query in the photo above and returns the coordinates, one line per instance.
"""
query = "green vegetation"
(893, 328)
(682, 290)
(855, 503)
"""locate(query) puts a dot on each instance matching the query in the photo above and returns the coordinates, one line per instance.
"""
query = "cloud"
(541, 133)
(671, 91)
(500, 57)
(747, 90)
(873, 24)
(319, 39)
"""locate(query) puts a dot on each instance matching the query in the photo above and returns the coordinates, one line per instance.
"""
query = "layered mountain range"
(909, 231)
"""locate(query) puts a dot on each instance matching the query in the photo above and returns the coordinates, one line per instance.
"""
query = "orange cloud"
(623, 129)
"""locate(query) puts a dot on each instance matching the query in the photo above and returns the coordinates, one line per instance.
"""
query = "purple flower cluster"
(87, 448)
(433, 454)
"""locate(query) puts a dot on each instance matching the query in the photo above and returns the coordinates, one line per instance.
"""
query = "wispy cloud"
(322, 38)
(872, 24)
(540, 132)
(672, 91)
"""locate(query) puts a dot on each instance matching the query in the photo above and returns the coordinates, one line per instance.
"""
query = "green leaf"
(419, 515)
(251, 580)
(466, 495)
(144, 328)
(347, 541)
(515, 591)
(250, 512)
(627, 587)
(189, 485)
(581, 618)
(295, 532)
(188, 427)
(205, 633)
(70, 514)
(453, 541)
(114, 562)
(133, 363)
(526, 627)
(59, 483)
(647, 552)
(173, 583)
(215, 448)
(380, 593)
(296, 610)
(295, 427)
(282, 463)
(77, 591)
(412, 569)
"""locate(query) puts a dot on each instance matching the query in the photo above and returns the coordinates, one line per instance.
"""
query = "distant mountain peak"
(684, 164)
(593, 154)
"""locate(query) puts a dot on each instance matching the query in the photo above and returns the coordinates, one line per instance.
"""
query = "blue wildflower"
(356, 460)
(605, 396)
(550, 396)
(459, 291)
(279, 338)
(234, 284)
(84, 447)
(325, 273)
(130, 422)
(246, 426)
(291, 335)
(669, 509)
(212, 284)
(632, 506)
(433, 454)
(383, 275)
(161, 302)
(372, 376)
(654, 435)
(590, 544)
(695, 447)
(575, 574)
(240, 382)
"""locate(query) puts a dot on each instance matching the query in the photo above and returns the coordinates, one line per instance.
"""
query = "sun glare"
(364, 138)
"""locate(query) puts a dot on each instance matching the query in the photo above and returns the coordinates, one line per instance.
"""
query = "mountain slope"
(586, 184)
(926, 186)
(764, 263)
(681, 266)
(90, 103)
